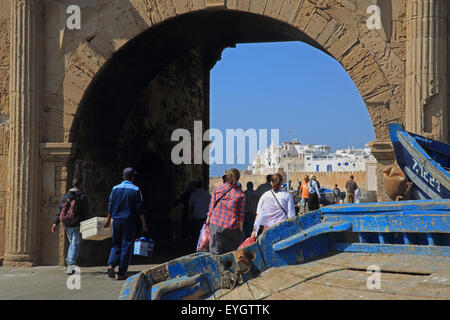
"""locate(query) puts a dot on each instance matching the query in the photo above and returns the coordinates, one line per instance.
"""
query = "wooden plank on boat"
(239, 293)
(394, 248)
(315, 291)
(390, 283)
(388, 262)
(313, 269)
(278, 296)
(274, 279)
(258, 293)
(437, 280)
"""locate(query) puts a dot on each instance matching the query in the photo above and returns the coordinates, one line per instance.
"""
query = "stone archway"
(109, 95)
(335, 27)
(78, 65)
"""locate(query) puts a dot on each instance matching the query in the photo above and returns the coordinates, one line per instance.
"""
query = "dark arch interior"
(115, 124)
(124, 76)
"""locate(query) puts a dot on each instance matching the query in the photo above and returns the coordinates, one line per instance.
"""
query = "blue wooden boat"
(425, 162)
(324, 254)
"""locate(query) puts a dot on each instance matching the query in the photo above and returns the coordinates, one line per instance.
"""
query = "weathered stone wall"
(4, 115)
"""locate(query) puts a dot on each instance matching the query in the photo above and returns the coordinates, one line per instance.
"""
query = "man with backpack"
(72, 210)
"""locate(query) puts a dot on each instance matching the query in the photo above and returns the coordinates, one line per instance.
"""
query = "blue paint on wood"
(393, 248)
(411, 221)
(282, 231)
(181, 288)
(423, 160)
(314, 231)
(388, 207)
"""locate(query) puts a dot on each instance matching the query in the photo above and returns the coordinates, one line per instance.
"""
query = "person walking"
(263, 188)
(226, 215)
(351, 187)
(275, 206)
(77, 202)
(250, 209)
(198, 209)
(304, 194)
(336, 195)
(313, 200)
(125, 204)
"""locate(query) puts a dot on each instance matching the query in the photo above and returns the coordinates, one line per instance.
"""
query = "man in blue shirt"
(125, 204)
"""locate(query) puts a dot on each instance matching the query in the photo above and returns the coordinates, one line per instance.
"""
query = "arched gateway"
(92, 100)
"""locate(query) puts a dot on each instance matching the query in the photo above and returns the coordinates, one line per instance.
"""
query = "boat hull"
(430, 180)
(403, 229)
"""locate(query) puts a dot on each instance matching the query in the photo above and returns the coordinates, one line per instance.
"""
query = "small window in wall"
(339, 164)
(346, 164)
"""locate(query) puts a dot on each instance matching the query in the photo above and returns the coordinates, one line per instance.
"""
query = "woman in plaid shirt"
(226, 215)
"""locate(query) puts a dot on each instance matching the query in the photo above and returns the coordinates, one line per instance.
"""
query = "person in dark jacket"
(73, 230)
(125, 205)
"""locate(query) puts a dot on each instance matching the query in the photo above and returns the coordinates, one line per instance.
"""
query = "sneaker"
(70, 269)
(111, 273)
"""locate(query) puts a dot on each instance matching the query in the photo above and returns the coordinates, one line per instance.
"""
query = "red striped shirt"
(230, 209)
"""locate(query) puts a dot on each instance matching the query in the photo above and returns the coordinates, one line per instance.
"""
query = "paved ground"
(49, 283)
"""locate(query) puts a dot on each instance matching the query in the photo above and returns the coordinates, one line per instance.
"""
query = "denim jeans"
(74, 235)
(122, 245)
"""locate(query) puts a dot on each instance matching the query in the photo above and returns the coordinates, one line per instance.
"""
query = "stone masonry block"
(258, 6)
(316, 25)
(273, 8)
(304, 15)
(289, 10)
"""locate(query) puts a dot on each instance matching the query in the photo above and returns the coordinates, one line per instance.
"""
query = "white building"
(294, 156)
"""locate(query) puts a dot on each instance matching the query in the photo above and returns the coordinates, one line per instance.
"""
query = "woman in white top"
(274, 206)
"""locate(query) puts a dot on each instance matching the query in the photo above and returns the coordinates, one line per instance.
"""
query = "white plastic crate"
(92, 229)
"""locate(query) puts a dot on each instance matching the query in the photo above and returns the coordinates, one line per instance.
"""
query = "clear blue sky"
(289, 86)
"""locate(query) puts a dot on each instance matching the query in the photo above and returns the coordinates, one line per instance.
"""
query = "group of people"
(229, 210)
(308, 192)
(231, 214)
(353, 194)
(125, 208)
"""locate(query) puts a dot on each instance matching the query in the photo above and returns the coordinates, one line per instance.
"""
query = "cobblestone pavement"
(50, 283)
